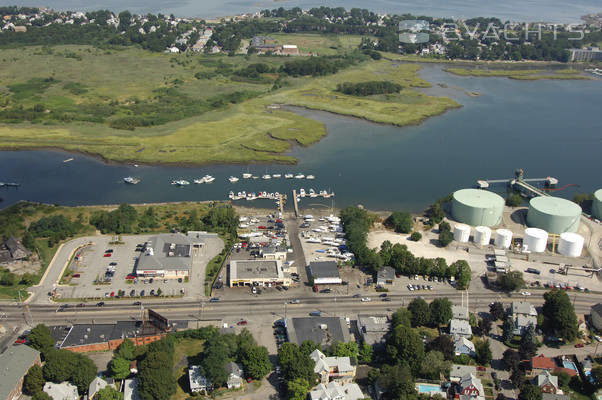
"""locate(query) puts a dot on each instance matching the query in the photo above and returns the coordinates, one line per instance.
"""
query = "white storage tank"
(536, 240)
(482, 235)
(503, 238)
(571, 244)
(461, 233)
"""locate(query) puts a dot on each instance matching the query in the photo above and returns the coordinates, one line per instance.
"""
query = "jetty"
(522, 185)
(295, 203)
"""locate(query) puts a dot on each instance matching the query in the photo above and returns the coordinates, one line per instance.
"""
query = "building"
(320, 330)
(385, 277)
(235, 375)
(338, 369)
(325, 273)
(290, 50)
(11, 250)
(373, 329)
(541, 363)
(274, 252)
(596, 316)
(597, 204)
(97, 384)
(460, 312)
(470, 387)
(550, 396)
(167, 255)
(14, 364)
(524, 315)
(547, 382)
(460, 327)
(61, 391)
(458, 371)
(257, 273)
(586, 55)
(464, 346)
(130, 389)
(477, 207)
(263, 44)
(335, 391)
(553, 214)
(197, 381)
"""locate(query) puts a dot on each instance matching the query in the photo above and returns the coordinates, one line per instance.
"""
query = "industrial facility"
(597, 205)
(553, 214)
(477, 207)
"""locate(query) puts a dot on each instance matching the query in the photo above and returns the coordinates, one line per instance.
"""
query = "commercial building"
(325, 273)
(166, 256)
(596, 316)
(385, 277)
(257, 273)
(274, 252)
(320, 330)
(14, 364)
(477, 207)
(590, 54)
(329, 369)
(597, 204)
(553, 214)
(373, 328)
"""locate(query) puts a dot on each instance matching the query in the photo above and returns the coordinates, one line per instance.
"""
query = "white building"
(198, 383)
(464, 346)
(325, 272)
(61, 391)
(335, 391)
(460, 327)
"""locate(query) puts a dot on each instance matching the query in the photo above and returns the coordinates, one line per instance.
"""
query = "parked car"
(214, 300)
(152, 292)
(107, 255)
(579, 345)
(241, 322)
(142, 293)
(137, 303)
(112, 294)
(132, 293)
(326, 291)
(76, 275)
(100, 304)
(113, 264)
(109, 251)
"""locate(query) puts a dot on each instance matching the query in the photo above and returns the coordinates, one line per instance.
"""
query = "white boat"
(208, 178)
(199, 181)
(289, 176)
(180, 182)
(310, 177)
(233, 179)
(312, 193)
(255, 177)
(313, 240)
(302, 192)
(266, 176)
(299, 176)
(68, 160)
(231, 195)
(246, 175)
(131, 180)
(277, 176)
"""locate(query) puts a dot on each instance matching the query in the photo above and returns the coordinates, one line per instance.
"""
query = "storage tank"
(571, 244)
(503, 239)
(597, 204)
(535, 240)
(477, 207)
(482, 235)
(553, 214)
(461, 233)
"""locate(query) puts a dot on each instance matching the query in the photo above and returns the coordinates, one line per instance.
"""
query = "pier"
(9, 184)
(295, 203)
(520, 184)
(281, 204)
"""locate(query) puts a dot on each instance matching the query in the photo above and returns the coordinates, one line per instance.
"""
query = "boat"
(9, 184)
(246, 175)
(299, 176)
(131, 180)
(180, 182)
(289, 176)
(310, 177)
(312, 193)
(208, 178)
(277, 176)
(302, 192)
(68, 160)
(255, 177)
(266, 176)
(231, 195)
(199, 181)
(233, 179)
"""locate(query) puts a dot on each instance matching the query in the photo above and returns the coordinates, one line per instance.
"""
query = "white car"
(366, 299)
(525, 293)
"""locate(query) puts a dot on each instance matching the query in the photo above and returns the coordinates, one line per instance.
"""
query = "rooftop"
(168, 251)
(130, 389)
(14, 364)
(320, 330)
(324, 269)
(542, 362)
(460, 327)
(335, 391)
(460, 312)
(458, 371)
(523, 307)
(255, 269)
(387, 273)
(478, 198)
(555, 206)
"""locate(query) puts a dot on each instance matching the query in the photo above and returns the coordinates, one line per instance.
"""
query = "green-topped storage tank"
(597, 205)
(553, 214)
(477, 207)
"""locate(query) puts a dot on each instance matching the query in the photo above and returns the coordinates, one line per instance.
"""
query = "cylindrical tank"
(571, 244)
(553, 214)
(597, 204)
(535, 240)
(482, 235)
(461, 233)
(477, 207)
(503, 239)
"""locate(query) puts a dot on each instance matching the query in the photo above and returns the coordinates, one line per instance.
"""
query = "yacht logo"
(414, 31)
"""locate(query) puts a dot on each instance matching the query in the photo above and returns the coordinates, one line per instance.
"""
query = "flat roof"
(386, 273)
(170, 251)
(321, 330)
(478, 198)
(324, 269)
(14, 364)
(255, 269)
(555, 206)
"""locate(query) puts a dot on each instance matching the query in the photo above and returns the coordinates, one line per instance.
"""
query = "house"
(130, 389)
(541, 363)
(547, 382)
(14, 364)
(339, 369)
(551, 396)
(373, 328)
(20, 28)
(470, 387)
(596, 316)
(290, 50)
(385, 276)
(336, 391)
(325, 272)
(464, 346)
(460, 327)
(458, 371)
(62, 391)
(197, 381)
(523, 315)
(321, 330)
(460, 312)
(97, 384)
(235, 375)
(11, 250)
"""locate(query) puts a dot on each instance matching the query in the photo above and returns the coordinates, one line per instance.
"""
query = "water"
(549, 128)
(516, 10)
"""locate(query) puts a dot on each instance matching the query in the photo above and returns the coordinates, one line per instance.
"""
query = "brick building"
(14, 364)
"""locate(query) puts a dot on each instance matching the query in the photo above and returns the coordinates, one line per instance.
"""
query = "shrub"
(415, 236)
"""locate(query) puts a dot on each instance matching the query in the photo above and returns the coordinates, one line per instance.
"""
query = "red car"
(242, 322)
(249, 380)
(130, 276)
(579, 345)
(107, 255)
(20, 341)
(76, 275)
(261, 227)
(112, 294)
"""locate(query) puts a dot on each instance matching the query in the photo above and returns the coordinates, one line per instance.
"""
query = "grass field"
(520, 74)
(92, 88)
(186, 349)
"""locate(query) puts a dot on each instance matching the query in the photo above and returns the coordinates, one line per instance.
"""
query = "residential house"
(458, 371)
(547, 382)
(197, 381)
(373, 328)
(541, 363)
(460, 327)
(470, 387)
(385, 277)
(14, 364)
(235, 374)
(11, 250)
(523, 315)
(61, 391)
(460, 312)
(338, 369)
(596, 316)
(336, 391)
(95, 386)
(464, 346)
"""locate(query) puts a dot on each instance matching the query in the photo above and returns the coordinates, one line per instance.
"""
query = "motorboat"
(247, 175)
(180, 182)
(266, 176)
(255, 177)
(310, 177)
(277, 176)
(299, 176)
(302, 192)
(289, 176)
(131, 180)
(208, 178)
(312, 193)
(233, 179)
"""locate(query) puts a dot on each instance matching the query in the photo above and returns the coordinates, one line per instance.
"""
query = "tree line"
(368, 88)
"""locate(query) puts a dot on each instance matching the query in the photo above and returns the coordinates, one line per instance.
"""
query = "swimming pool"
(429, 388)
(569, 365)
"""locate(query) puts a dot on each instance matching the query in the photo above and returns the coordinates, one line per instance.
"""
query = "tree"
(41, 396)
(420, 312)
(297, 389)
(564, 379)
(401, 222)
(512, 359)
(440, 311)
(120, 368)
(484, 326)
(463, 274)
(34, 380)
(108, 393)
(401, 317)
(84, 373)
(126, 350)
(511, 281)
(40, 339)
(59, 366)
(295, 364)
(434, 365)
(155, 376)
(404, 344)
(527, 348)
(496, 310)
(517, 377)
(530, 392)
(514, 200)
(365, 353)
(397, 380)
(256, 362)
(415, 236)
(597, 376)
(483, 352)
(507, 329)
(445, 238)
(443, 344)
(341, 349)
(559, 315)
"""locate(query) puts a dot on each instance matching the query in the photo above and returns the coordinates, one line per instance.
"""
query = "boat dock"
(521, 185)
(281, 204)
(295, 203)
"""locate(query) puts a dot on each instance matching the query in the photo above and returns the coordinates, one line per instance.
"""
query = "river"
(549, 128)
(559, 11)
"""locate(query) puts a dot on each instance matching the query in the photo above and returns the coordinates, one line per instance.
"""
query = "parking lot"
(104, 268)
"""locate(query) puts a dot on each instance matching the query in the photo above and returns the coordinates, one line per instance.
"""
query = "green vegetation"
(34, 380)
(511, 281)
(445, 235)
(356, 224)
(559, 315)
(64, 365)
(297, 368)
(514, 200)
(415, 236)
(368, 88)
(401, 222)
(520, 74)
